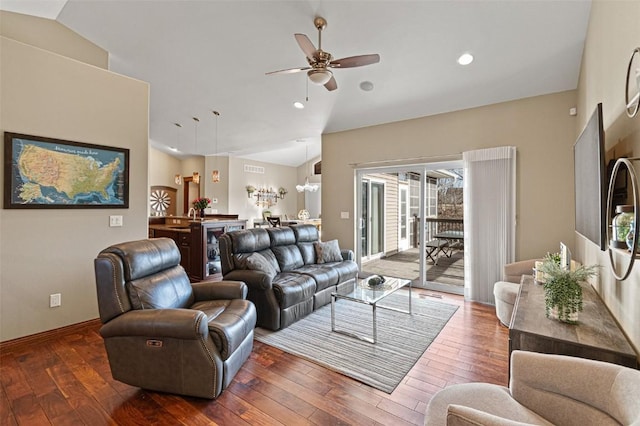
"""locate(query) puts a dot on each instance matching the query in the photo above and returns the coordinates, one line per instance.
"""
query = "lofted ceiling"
(200, 56)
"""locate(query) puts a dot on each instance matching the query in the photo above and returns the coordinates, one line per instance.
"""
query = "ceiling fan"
(320, 61)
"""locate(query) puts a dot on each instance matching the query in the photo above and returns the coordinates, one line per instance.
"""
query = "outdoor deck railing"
(433, 226)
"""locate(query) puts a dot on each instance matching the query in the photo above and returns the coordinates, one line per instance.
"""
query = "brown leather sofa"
(163, 333)
(289, 282)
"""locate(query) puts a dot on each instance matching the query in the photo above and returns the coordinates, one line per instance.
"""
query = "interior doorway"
(191, 192)
(403, 213)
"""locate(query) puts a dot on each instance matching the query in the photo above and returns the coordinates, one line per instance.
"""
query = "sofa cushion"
(257, 262)
(292, 288)
(347, 269)
(305, 233)
(323, 275)
(328, 251)
(249, 240)
(308, 252)
(289, 257)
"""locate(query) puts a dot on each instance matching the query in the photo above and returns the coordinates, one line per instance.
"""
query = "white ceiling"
(206, 55)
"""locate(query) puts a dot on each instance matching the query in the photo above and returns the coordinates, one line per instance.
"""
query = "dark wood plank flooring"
(65, 379)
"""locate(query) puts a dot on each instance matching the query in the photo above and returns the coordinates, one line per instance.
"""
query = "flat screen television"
(590, 185)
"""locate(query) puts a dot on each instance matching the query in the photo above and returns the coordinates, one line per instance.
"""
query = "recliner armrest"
(173, 323)
(218, 290)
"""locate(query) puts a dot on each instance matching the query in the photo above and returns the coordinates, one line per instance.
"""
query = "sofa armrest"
(460, 415)
(255, 280)
(347, 254)
(172, 323)
(219, 290)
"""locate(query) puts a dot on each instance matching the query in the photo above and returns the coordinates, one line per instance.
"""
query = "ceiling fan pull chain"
(307, 84)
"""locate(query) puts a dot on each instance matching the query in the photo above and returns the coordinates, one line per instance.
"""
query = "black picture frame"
(47, 173)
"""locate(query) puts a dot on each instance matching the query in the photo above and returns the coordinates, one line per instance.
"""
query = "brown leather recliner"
(163, 333)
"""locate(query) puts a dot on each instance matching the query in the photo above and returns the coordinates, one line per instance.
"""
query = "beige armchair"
(544, 390)
(162, 333)
(506, 291)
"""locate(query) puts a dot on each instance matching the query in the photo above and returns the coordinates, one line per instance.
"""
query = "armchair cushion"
(166, 289)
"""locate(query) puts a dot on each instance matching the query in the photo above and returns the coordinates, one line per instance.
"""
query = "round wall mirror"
(621, 260)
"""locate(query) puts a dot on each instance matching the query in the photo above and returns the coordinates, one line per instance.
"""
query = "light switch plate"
(344, 215)
(115, 221)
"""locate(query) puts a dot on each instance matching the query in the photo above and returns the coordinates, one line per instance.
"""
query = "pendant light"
(215, 174)
(178, 177)
(307, 186)
(196, 175)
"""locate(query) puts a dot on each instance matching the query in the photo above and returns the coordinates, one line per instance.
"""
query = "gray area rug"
(402, 338)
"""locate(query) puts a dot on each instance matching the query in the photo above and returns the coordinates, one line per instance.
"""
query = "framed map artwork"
(50, 173)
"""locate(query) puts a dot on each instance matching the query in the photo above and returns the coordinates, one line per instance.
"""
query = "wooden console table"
(596, 336)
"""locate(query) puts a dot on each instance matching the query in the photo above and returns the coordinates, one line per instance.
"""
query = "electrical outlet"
(214, 201)
(115, 221)
(55, 300)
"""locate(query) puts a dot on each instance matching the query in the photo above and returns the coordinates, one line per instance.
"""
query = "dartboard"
(160, 200)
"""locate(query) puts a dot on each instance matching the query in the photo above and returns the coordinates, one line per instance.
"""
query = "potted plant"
(200, 204)
(563, 290)
(250, 190)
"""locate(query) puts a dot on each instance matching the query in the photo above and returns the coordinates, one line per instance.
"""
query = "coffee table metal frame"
(361, 292)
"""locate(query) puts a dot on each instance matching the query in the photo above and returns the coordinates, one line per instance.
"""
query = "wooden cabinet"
(205, 253)
(596, 336)
(197, 242)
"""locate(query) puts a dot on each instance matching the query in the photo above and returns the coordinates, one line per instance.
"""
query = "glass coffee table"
(362, 292)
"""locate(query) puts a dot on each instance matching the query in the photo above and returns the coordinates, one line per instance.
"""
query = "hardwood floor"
(65, 380)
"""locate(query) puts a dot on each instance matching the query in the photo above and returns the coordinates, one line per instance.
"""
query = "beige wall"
(50, 35)
(219, 190)
(614, 31)
(162, 171)
(540, 127)
(275, 176)
(52, 251)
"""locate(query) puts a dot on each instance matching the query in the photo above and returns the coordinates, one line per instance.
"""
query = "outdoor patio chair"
(434, 247)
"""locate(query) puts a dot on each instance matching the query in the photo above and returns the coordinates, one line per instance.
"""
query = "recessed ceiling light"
(465, 59)
(298, 105)
(367, 86)
(173, 148)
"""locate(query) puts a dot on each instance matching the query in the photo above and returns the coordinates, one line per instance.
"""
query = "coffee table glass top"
(362, 292)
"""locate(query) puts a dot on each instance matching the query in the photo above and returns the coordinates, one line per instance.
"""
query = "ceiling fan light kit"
(320, 76)
(320, 61)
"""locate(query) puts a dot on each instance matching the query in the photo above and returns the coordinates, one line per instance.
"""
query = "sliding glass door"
(372, 232)
(400, 212)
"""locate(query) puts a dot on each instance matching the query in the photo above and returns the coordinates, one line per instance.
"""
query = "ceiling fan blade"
(355, 61)
(331, 85)
(288, 71)
(305, 44)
